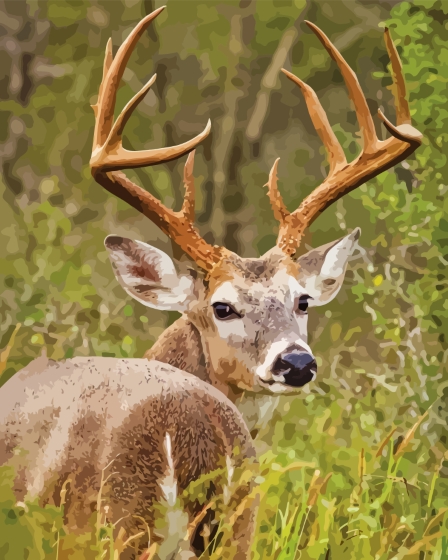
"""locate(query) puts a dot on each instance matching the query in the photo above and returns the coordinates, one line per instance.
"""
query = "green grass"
(304, 514)
(383, 515)
(345, 502)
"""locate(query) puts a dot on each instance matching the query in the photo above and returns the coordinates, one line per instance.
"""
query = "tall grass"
(303, 514)
(392, 509)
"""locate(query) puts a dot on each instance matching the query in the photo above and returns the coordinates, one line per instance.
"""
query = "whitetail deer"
(244, 322)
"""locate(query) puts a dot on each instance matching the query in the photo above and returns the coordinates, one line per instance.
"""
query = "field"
(319, 498)
(356, 466)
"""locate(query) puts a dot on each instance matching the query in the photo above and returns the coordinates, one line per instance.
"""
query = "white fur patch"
(264, 370)
(288, 289)
(234, 328)
(257, 410)
(333, 269)
(281, 388)
(337, 257)
(227, 490)
(174, 526)
(226, 293)
(267, 406)
(168, 484)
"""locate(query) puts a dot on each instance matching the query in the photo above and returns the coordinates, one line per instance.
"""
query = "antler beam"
(343, 177)
(109, 157)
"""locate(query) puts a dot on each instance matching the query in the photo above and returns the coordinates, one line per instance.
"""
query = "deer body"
(243, 328)
(136, 432)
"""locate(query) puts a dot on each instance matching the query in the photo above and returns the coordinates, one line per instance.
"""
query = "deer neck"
(181, 346)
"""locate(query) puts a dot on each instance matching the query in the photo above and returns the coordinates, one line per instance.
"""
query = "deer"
(242, 330)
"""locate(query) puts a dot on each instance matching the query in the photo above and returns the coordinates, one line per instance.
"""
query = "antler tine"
(115, 157)
(281, 213)
(336, 156)
(376, 157)
(112, 78)
(402, 105)
(108, 152)
(189, 197)
(403, 130)
(354, 89)
(118, 126)
(109, 157)
(108, 57)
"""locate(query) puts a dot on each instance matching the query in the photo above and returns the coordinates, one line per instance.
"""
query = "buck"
(167, 420)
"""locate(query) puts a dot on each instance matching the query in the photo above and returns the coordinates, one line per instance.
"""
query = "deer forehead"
(281, 288)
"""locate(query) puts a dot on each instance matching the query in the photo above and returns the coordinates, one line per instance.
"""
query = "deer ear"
(148, 274)
(322, 270)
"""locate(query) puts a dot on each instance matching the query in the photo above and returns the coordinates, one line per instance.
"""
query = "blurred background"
(381, 344)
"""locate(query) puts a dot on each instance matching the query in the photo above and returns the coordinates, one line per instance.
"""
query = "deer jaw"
(262, 346)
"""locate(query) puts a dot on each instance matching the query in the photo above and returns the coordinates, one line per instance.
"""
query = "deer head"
(251, 313)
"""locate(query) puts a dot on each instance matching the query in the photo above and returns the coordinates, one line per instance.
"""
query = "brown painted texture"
(98, 419)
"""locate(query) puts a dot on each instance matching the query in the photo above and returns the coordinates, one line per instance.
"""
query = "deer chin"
(269, 387)
(279, 388)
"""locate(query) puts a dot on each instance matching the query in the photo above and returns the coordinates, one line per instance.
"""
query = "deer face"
(251, 313)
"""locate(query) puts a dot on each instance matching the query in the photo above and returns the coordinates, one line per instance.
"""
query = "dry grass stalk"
(385, 442)
(293, 467)
(149, 552)
(361, 465)
(194, 524)
(318, 485)
(242, 506)
(4, 354)
(410, 436)
(424, 542)
(121, 542)
(435, 520)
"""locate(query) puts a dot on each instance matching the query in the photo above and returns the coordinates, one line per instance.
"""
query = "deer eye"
(224, 311)
(303, 303)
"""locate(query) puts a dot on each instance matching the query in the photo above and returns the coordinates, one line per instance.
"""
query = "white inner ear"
(323, 286)
(336, 259)
(148, 274)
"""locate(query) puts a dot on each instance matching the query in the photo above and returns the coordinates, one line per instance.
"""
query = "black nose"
(298, 368)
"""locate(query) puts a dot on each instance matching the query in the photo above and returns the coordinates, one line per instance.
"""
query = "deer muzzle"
(295, 367)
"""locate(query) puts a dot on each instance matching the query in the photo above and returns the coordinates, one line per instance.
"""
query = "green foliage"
(27, 530)
(381, 345)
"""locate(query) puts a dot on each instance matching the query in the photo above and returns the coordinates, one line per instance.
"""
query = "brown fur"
(180, 346)
(87, 417)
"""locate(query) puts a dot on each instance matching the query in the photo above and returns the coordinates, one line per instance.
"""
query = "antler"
(343, 177)
(109, 156)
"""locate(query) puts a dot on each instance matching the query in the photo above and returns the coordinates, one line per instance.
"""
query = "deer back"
(137, 431)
